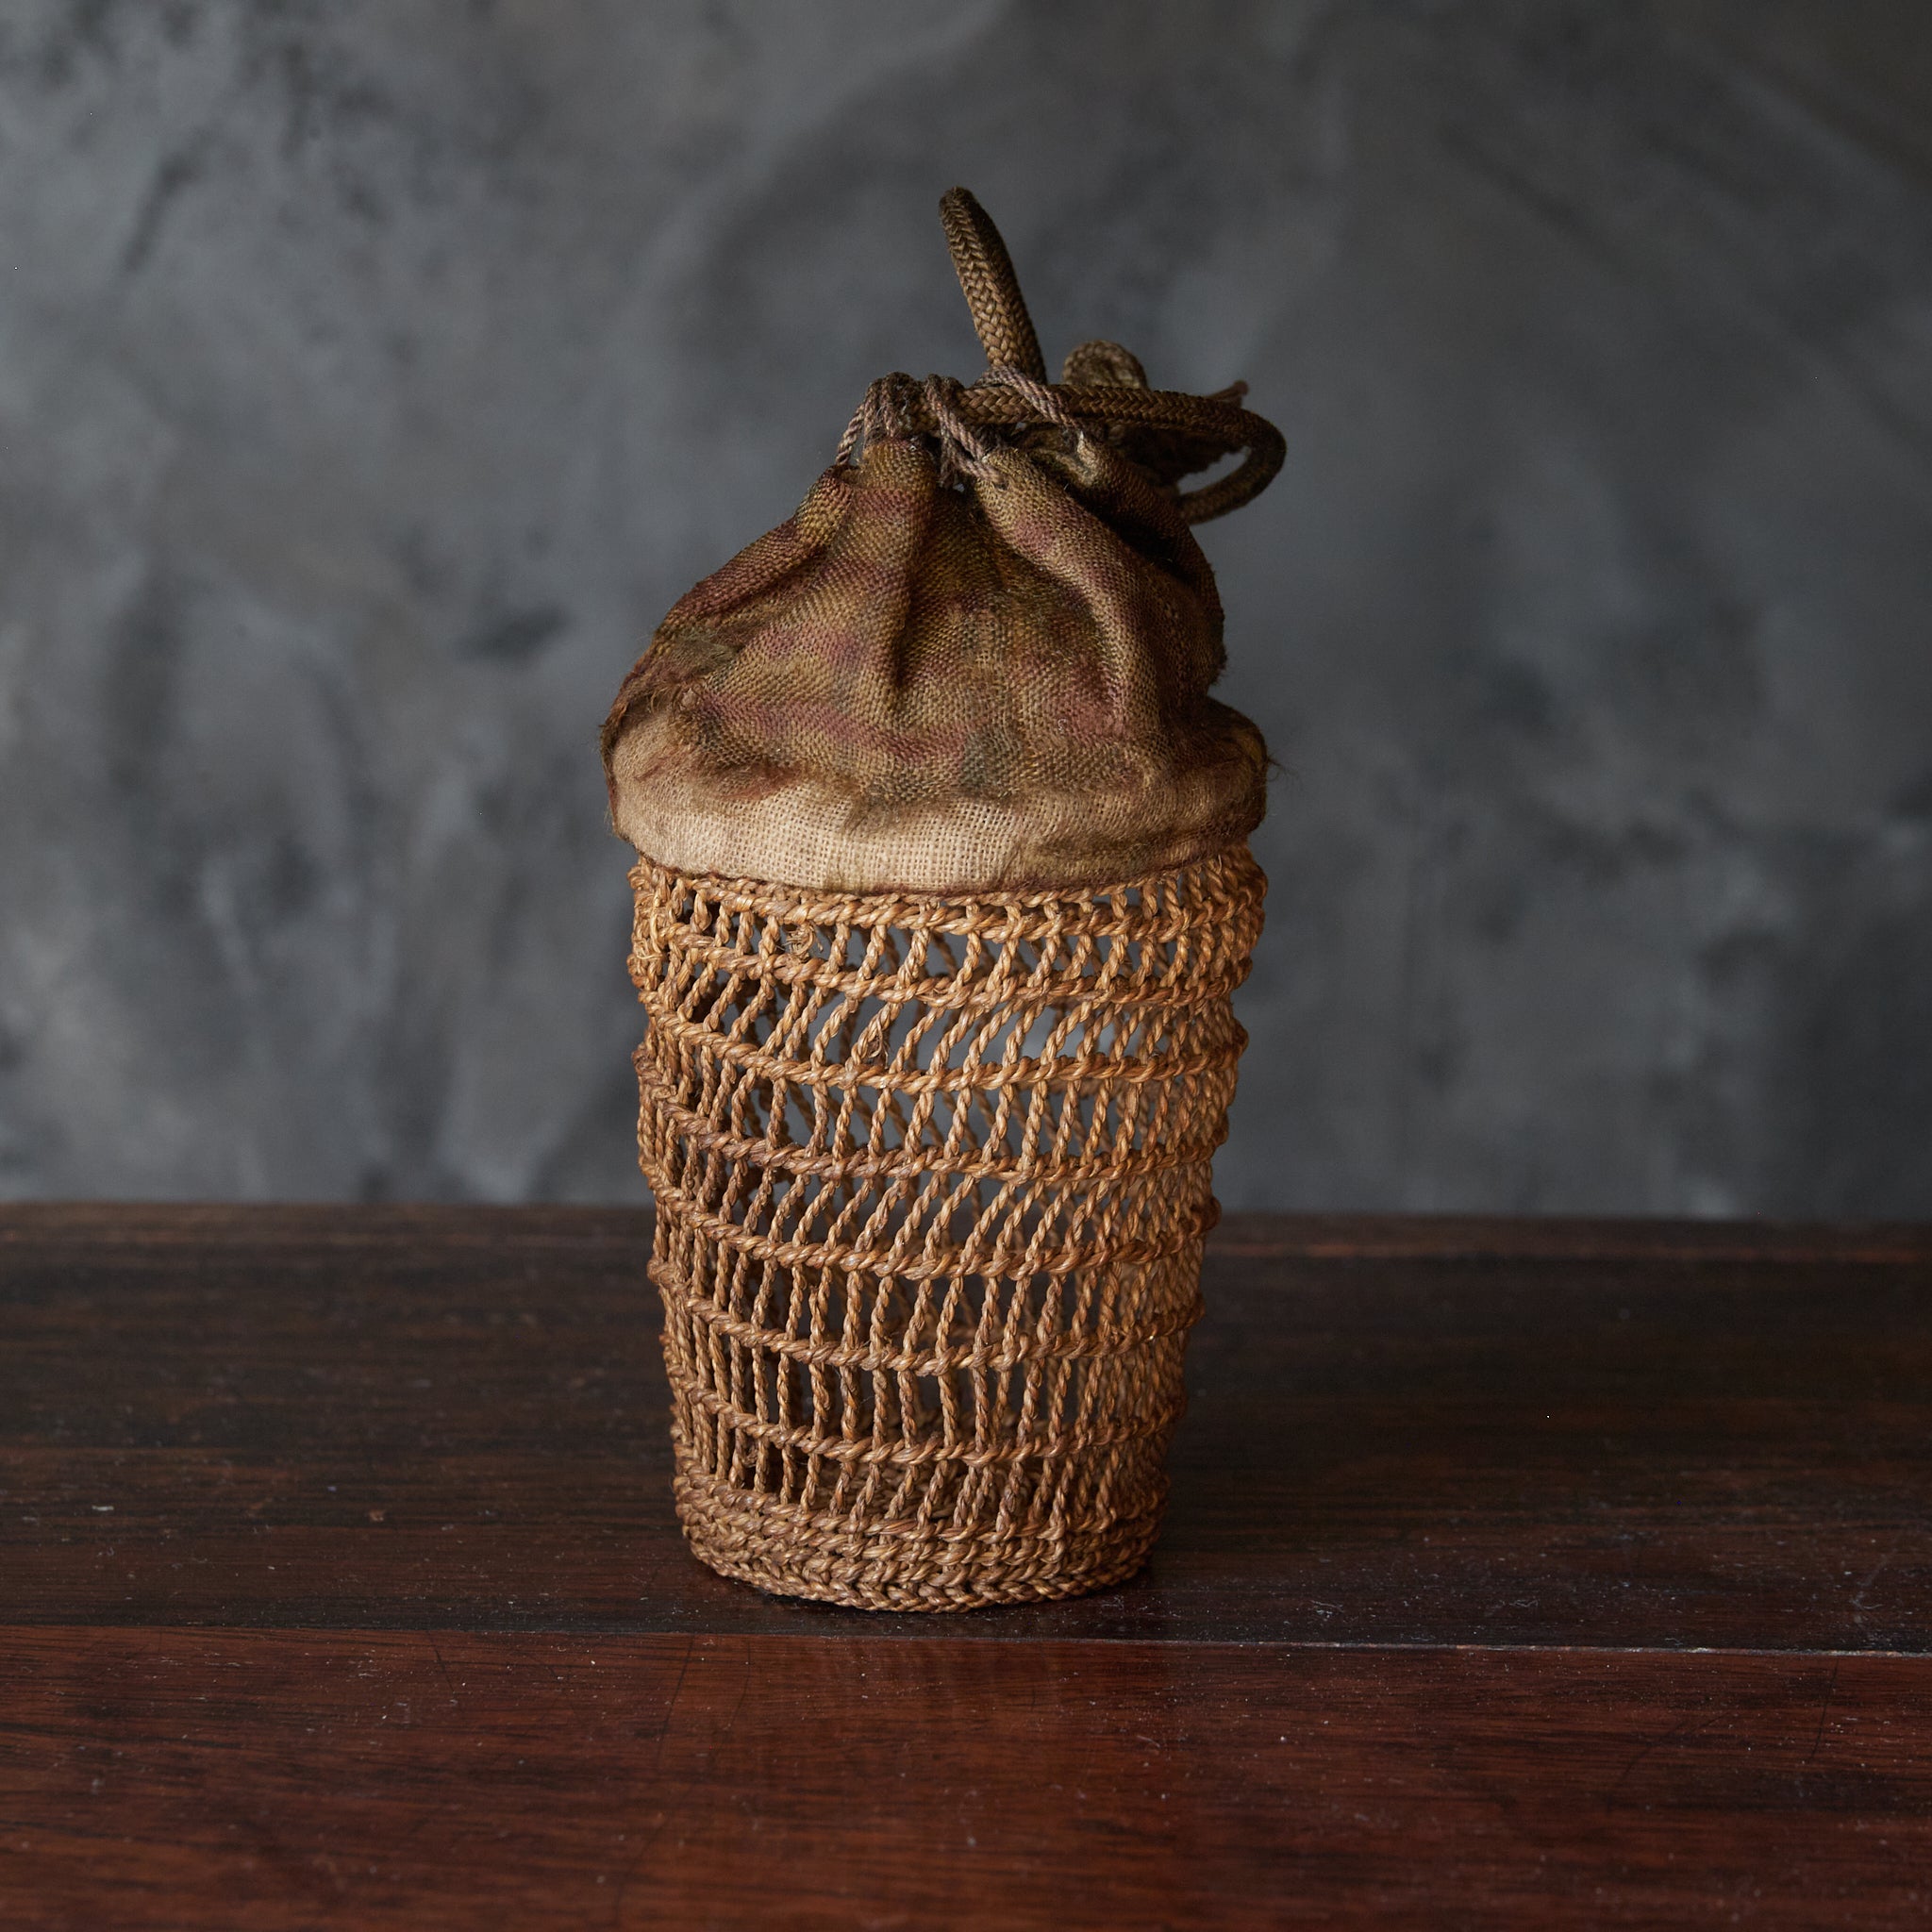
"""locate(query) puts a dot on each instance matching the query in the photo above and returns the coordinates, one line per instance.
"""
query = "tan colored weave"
(932, 1179)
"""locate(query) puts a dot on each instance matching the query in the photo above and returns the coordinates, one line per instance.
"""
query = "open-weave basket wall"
(932, 1179)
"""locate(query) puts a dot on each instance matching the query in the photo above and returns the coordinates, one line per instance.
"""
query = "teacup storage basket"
(942, 893)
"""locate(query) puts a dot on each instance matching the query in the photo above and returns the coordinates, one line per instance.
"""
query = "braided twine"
(932, 1179)
(1103, 392)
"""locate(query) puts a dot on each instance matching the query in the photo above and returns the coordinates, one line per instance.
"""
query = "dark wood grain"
(175, 1779)
(1456, 1433)
(1517, 1573)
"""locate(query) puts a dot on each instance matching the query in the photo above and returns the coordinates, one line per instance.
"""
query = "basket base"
(786, 1551)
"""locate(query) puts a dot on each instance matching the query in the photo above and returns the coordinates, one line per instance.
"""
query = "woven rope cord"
(1103, 390)
(932, 1179)
(1000, 318)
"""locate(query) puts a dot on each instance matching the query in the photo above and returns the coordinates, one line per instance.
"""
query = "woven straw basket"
(932, 1181)
(942, 894)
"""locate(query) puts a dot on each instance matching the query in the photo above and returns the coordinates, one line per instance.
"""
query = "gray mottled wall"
(373, 375)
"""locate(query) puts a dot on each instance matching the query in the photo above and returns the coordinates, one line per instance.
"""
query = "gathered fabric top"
(977, 658)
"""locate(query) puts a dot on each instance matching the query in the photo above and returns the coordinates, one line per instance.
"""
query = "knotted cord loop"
(1193, 432)
(897, 406)
(962, 451)
(991, 289)
(1169, 433)
(881, 417)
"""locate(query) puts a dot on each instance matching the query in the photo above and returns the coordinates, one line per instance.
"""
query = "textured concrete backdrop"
(371, 377)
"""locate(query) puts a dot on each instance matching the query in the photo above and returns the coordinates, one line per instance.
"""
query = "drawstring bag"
(942, 890)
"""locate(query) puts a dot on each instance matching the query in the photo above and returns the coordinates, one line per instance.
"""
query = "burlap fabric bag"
(943, 892)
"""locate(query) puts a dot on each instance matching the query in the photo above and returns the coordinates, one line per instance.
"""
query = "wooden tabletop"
(1517, 1573)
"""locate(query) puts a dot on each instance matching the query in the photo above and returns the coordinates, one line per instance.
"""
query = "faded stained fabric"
(949, 672)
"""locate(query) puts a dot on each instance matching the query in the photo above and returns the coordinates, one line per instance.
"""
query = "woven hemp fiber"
(931, 1152)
